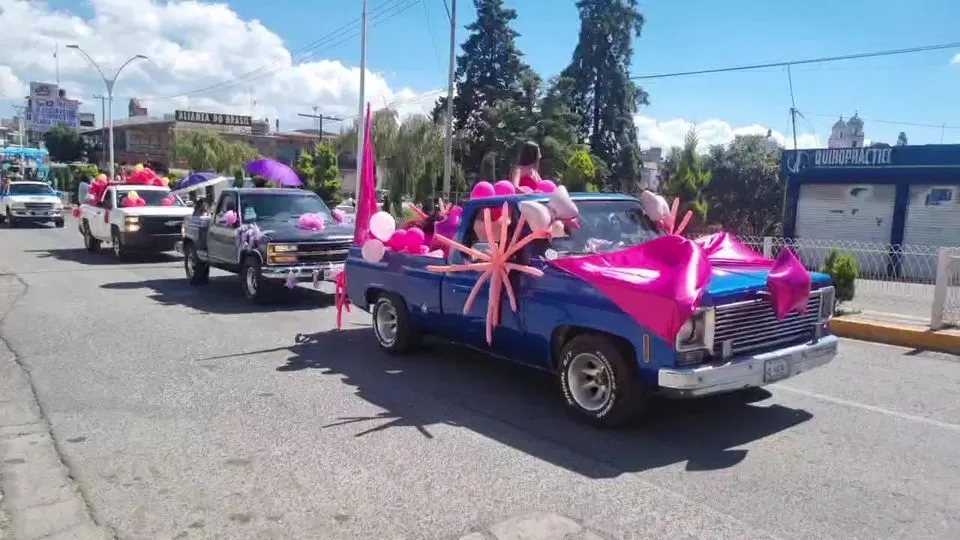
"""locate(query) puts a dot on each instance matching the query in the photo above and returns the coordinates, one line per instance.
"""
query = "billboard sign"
(213, 119)
(48, 109)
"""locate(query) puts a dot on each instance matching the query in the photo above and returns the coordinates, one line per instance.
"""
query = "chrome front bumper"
(747, 371)
(303, 272)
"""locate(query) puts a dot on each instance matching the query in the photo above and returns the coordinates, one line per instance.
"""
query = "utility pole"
(21, 111)
(363, 73)
(103, 109)
(319, 118)
(56, 59)
(793, 109)
(448, 150)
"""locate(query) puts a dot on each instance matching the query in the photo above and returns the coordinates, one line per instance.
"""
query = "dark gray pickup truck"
(264, 244)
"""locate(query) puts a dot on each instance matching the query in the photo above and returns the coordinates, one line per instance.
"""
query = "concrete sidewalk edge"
(895, 334)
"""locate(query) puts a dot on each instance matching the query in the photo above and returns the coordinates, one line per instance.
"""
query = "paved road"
(184, 413)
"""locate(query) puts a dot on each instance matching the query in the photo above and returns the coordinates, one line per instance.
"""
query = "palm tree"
(206, 150)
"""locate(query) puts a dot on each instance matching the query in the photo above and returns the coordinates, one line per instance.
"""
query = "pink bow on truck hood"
(660, 283)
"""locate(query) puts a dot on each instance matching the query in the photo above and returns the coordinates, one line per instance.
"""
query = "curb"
(895, 334)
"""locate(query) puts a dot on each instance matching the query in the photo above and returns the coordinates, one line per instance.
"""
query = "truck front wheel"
(198, 272)
(255, 287)
(116, 240)
(11, 221)
(395, 331)
(599, 382)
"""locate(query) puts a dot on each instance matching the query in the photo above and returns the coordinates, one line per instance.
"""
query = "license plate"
(776, 369)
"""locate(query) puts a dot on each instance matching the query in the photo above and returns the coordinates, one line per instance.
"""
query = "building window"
(854, 144)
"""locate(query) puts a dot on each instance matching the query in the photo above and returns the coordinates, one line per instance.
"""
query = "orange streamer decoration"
(494, 267)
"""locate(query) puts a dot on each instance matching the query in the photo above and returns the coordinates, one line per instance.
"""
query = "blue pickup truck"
(607, 365)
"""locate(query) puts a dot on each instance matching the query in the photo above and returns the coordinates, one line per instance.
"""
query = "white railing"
(914, 281)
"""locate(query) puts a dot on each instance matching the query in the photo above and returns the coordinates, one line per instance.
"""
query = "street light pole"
(109, 83)
(448, 143)
(361, 126)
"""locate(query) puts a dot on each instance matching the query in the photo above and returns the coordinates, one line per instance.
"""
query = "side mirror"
(189, 203)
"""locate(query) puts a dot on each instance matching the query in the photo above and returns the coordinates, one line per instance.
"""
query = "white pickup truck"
(30, 202)
(154, 226)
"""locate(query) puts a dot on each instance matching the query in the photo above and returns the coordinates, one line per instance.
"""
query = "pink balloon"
(415, 238)
(230, 218)
(398, 240)
(482, 189)
(504, 187)
(546, 186)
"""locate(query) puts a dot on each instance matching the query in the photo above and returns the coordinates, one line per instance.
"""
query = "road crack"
(46, 428)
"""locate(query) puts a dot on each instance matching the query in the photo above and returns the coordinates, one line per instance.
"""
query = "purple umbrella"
(272, 169)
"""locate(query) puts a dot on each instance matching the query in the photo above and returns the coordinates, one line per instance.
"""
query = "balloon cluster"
(132, 199)
(311, 222)
(339, 215)
(656, 208)
(97, 188)
(145, 176)
(230, 218)
(506, 187)
(384, 235)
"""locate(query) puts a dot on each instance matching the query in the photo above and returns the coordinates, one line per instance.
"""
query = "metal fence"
(916, 281)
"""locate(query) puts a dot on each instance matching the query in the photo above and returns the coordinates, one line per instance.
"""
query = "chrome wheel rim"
(116, 245)
(386, 323)
(251, 281)
(189, 263)
(590, 382)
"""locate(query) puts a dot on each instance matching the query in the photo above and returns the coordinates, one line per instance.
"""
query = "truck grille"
(329, 252)
(158, 225)
(38, 207)
(752, 326)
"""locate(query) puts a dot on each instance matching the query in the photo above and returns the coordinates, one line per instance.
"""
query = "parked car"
(30, 202)
(262, 241)
(607, 364)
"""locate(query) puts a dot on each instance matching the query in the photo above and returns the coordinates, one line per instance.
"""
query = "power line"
(817, 60)
(384, 11)
(891, 122)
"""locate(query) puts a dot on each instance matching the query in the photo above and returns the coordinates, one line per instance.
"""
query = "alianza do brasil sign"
(214, 119)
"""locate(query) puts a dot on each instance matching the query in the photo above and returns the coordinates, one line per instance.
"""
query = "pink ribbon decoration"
(494, 267)
(789, 285)
(340, 296)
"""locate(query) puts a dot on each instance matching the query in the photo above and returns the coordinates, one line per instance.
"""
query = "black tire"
(116, 244)
(255, 287)
(58, 223)
(11, 221)
(625, 397)
(198, 272)
(395, 330)
(89, 242)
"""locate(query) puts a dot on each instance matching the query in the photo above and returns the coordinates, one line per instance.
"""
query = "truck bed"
(400, 273)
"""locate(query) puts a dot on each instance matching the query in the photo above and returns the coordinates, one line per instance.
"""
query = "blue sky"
(410, 49)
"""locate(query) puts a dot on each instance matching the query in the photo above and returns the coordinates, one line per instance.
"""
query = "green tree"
(601, 91)
(326, 173)
(690, 179)
(305, 169)
(207, 150)
(745, 190)
(580, 172)
(64, 144)
(489, 71)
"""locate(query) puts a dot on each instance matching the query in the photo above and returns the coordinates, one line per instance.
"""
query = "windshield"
(152, 197)
(262, 206)
(31, 189)
(604, 226)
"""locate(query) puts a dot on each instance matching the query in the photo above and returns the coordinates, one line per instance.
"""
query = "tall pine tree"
(602, 93)
(489, 71)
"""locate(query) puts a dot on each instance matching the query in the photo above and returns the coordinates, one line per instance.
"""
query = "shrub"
(842, 268)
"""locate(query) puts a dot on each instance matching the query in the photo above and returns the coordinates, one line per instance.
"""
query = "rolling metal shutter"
(854, 217)
(933, 219)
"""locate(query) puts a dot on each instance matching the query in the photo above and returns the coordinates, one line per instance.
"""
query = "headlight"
(131, 223)
(282, 248)
(827, 296)
(697, 331)
(18, 206)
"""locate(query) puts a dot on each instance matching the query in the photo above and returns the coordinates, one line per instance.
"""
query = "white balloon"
(372, 250)
(562, 205)
(382, 225)
(654, 206)
(536, 214)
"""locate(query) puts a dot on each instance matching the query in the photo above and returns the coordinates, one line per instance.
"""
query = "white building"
(847, 134)
(651, 161)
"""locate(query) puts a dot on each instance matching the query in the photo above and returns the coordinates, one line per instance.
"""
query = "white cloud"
(11, 87)
(190, 45)
(956, 59)
(670, 133)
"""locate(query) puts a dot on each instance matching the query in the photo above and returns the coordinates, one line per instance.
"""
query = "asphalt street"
(186, 413)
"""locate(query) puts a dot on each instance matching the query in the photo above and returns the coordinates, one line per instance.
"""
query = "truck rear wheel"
(117, 243)
(89, 242)
(198, 272)
(396, 332)
(599, 382)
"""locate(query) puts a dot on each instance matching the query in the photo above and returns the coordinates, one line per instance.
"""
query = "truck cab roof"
(579, 196)
(267, 191)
